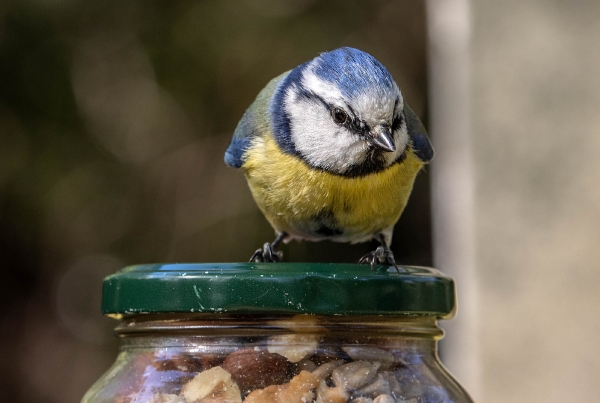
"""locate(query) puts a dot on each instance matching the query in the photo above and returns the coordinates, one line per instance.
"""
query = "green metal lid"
(310, 288)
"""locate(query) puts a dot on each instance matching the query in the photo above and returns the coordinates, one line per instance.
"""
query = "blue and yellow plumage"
(331, 151)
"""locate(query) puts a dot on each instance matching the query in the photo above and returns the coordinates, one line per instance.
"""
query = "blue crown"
(353, 71)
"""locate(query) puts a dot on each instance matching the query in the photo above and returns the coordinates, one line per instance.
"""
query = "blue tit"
(330, 151)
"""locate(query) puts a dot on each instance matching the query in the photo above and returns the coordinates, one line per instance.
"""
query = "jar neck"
(170, 325)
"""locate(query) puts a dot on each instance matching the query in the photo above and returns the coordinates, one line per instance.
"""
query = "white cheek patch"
(320, 141)
(327, 145)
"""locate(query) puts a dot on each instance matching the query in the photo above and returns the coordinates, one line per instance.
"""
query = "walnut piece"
(298, 390)
(212, 386)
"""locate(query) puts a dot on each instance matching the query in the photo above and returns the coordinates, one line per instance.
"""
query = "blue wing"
(418, 135)
(244, 133)
(255, 122)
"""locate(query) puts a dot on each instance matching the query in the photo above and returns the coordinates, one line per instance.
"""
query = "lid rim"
(278, 288)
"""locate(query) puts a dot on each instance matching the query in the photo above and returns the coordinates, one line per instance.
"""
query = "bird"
(330, 151)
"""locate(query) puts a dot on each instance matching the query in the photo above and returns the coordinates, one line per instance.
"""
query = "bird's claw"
(267, 254)
(380, 255)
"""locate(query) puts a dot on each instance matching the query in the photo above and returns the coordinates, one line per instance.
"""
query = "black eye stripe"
(352, 112)
(397, 118)
(353, 123)
(397, 122)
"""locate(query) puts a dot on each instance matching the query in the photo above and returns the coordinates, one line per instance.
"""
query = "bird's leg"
(269, 252)
(383, 255)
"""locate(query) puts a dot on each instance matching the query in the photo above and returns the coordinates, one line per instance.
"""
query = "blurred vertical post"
(449, 30)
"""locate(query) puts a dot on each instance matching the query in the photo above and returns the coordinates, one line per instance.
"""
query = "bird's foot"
(267, 254)
(381, 255)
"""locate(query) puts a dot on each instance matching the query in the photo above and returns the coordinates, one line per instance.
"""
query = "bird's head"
(341, 112)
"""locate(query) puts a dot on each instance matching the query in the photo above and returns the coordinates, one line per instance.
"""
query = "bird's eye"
(339, 116)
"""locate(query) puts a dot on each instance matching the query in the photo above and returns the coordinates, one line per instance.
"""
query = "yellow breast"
(312, 204)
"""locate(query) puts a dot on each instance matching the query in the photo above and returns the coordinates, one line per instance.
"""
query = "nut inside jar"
(291, 366)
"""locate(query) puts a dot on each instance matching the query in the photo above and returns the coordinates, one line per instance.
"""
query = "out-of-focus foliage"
(114, 117)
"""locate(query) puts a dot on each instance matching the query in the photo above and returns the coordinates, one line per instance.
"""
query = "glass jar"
(285, 333)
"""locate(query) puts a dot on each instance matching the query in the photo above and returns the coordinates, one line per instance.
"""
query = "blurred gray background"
(114, 117)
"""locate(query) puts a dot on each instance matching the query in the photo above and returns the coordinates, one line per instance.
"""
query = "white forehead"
(374, 104)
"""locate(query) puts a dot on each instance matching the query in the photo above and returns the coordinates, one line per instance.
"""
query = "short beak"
(381, 137)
